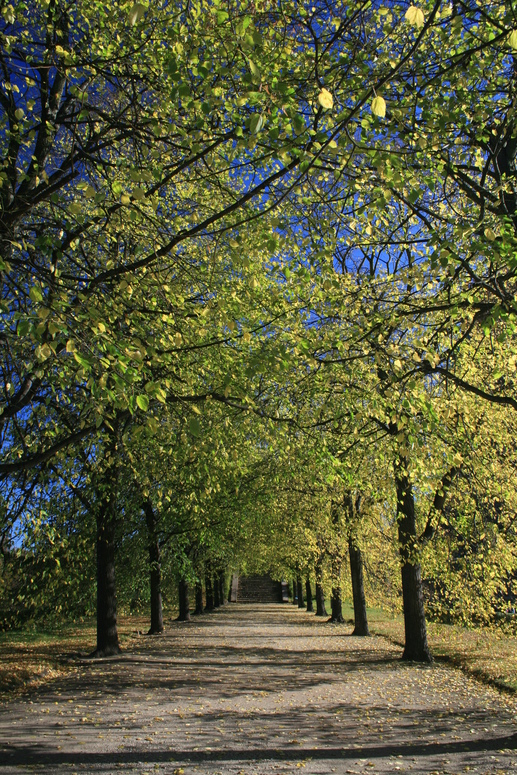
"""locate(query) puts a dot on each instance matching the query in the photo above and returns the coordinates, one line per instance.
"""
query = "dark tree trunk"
(416, 647)
(107, 633)
(359, 598)
(308, 594)
(221, 578)
(209, 591)
(320, 595)
(155, 570)
(295, 593)
(199, 598)
(336, 606)
(336, 555)
(320, 601)
(299, 590)
(183, 599)
(215, 587)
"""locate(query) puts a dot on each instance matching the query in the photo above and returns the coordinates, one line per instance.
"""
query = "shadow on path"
(252, 687)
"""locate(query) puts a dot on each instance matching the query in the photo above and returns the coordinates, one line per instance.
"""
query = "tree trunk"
(215, 587)
(336, 606)
(416, 647)
(299, 590)
(155, 569)
(107, 633)
(320, 601)
(320, 595)
(209, 591)
(295, 593)
(222, 596)
(183, 599)
(199, 598)
(308, 594)
(359, 598)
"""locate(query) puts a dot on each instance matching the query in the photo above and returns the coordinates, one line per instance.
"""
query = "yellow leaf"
(326, 99)
(513, 39)
(378, 107)
(415, 16)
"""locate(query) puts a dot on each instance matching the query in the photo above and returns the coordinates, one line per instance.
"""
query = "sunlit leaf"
(142, 402)
(378, 106)
(256, 123)
(415, 16)
(326, 99)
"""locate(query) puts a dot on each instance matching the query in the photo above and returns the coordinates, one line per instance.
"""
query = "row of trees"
(258, 274)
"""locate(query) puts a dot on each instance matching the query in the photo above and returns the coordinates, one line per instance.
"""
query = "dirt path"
(260, 690)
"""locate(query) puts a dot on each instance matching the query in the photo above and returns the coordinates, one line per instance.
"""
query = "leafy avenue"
(259, 270)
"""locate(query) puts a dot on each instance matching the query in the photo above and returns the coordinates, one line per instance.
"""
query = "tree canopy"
(258, 301)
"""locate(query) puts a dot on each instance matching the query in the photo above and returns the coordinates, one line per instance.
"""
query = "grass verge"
(29, 658)
(488, 654)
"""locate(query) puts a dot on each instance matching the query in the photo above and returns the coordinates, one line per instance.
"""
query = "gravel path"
(260, 690)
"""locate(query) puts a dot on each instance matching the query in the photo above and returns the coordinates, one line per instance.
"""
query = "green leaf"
(256, 123)
(194, 426)
(272, 244)
(82, 361)
(35, 294)
(136, 13)
(142, 402)
(23, 327)
(254, 69)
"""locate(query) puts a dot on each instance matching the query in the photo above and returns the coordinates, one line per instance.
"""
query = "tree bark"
(416, 648)
(299, 590)
(107, 633)
(295, 593)
(320, 601)
(199, 598)
(209, 591)
(215, 587)
(221, 579)
(308, 594)
(359, 598)
(320, 595)
(183, 599)
(155, 569)
(336, 606)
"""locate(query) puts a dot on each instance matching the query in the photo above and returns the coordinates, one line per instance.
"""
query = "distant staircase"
(257, 589)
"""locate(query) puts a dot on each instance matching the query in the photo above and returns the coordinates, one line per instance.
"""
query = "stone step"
(256, 589)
